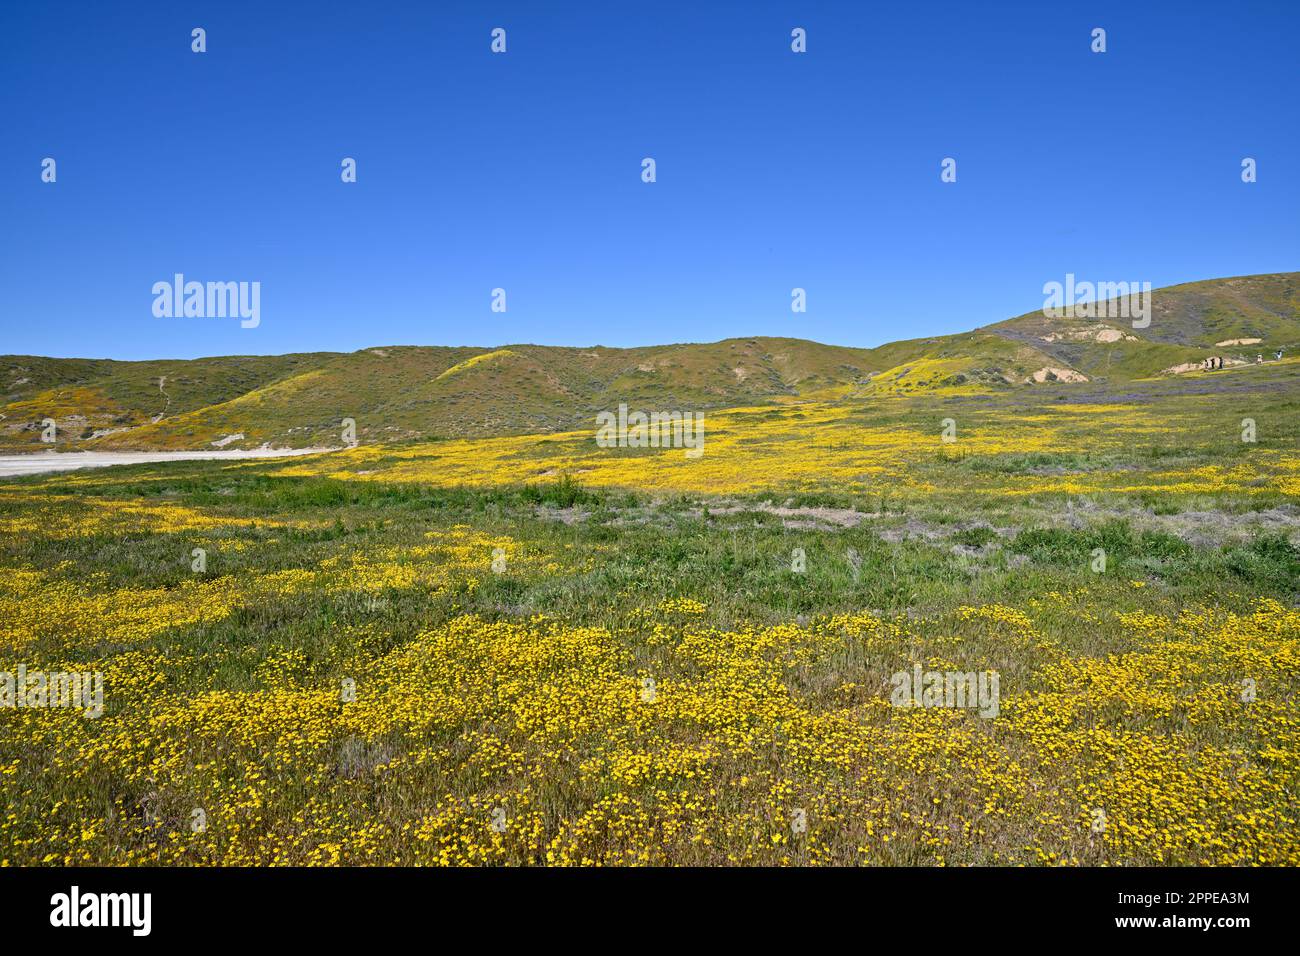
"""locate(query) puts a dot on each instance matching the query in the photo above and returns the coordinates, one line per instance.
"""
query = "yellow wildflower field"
(532, 650)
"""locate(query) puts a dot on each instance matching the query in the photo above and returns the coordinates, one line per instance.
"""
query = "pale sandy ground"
(67, 461)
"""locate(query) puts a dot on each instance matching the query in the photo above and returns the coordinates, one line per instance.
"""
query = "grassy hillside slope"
(400, 393)
(1236, 319)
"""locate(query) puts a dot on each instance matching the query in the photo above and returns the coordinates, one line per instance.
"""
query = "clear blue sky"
(523, 170)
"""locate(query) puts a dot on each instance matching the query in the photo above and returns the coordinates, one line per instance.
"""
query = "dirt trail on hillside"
(35, 464)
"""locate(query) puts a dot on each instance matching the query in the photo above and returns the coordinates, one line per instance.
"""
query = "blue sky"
(523, 171)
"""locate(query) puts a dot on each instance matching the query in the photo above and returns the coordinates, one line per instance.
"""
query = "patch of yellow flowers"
(838, 445)
(533, 741)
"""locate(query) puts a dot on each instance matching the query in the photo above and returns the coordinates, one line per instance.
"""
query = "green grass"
(396, 393)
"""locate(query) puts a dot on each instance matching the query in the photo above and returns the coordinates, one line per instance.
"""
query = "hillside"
(396, 392)
(429, 392)
(1235, 319)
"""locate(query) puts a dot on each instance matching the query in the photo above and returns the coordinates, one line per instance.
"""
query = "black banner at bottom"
(299, 906)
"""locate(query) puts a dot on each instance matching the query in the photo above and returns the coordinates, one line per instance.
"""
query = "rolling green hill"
(1235, 319)
(399, 393)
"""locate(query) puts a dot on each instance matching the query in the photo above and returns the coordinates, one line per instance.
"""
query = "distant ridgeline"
(399, 393)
